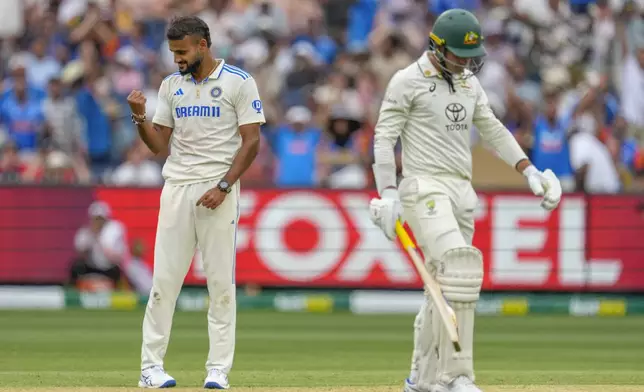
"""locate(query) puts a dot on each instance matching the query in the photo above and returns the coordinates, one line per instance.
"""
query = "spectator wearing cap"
(101, 246)
(301, 79)
(294, 146)
(58, 169)
(18, 74)
(339, 156)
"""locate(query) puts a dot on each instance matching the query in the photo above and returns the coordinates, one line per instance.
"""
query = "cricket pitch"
(495, 388)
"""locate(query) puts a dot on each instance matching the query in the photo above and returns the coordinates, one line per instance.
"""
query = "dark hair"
(183, 26)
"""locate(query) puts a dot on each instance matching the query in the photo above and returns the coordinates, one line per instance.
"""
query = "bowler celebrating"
(208, 120)
(431, 105)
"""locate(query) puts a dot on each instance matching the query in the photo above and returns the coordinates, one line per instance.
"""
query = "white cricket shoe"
(411, 387)
(216, 379)
(463, 384)
(156, 377)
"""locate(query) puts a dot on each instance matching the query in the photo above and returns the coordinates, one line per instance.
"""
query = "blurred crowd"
(566, 77)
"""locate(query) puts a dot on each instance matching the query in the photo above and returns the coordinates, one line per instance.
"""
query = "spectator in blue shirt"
(294, 145)
(22, 115)
(550, 146)
(18, 70)
(97, 127)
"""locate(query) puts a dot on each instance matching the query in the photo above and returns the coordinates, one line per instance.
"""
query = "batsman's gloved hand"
(544, 184)
(384, 212)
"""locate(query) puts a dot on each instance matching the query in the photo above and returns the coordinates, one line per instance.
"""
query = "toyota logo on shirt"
(455, 112)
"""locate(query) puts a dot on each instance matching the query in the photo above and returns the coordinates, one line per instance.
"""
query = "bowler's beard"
(192, 68)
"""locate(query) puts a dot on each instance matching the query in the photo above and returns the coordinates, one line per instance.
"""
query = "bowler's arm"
(497, 135)
(391, 121)
(250, 117)
(156, 134)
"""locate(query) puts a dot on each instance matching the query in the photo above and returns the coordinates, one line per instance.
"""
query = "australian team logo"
(215, 92)
(471, 38)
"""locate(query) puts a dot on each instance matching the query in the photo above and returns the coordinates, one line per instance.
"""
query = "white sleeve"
(248, 105)
(578, 152)
(494, 132)
(113, 239)
(163, 114)
(82, 240)
(391, 121)
(629, 95)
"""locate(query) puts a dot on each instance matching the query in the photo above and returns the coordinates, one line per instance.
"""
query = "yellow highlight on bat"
(405, 240)
(447, 315)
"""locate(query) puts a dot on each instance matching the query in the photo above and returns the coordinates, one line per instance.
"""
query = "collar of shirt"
(213, 75)
(429, 70)
(426, 67)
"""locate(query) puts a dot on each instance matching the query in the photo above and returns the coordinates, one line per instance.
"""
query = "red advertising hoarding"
(325, 239)
(311, 238)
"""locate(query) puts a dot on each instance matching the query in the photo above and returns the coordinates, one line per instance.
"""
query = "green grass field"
(85, 350)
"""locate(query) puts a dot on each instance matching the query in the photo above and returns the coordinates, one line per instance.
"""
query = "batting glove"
(384, 212)
(544, 184)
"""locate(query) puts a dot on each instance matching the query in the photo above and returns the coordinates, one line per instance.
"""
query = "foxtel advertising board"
(304, 238)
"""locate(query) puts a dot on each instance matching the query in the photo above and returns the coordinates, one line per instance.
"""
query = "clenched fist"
(137, 100)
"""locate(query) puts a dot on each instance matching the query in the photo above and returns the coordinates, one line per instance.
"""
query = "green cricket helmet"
(458, 31)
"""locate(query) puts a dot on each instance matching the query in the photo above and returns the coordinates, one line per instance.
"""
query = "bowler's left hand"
(545, 184)
(212, 199)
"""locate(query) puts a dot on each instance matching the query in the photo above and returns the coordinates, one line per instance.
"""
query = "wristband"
(138, 120)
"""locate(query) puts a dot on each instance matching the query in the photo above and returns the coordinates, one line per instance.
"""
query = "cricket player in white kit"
(208, 119)
(431, 105)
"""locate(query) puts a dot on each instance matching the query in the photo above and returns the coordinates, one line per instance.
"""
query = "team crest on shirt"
(257, 105)
(215, 92)
(431, 207)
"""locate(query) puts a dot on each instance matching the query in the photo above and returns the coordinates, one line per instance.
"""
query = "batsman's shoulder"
(405, 82)
(408, 73)
(402, 79)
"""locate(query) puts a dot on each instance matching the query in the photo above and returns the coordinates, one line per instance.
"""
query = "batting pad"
(460, 275)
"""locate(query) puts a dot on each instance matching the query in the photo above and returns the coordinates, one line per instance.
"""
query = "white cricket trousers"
(440, 212)
(182, 226)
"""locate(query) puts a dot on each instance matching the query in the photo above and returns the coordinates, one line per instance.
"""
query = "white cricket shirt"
(205, 118)
(434, 124)
(601, 175)
(111, 239)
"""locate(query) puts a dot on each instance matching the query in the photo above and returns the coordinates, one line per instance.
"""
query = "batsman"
(432, 105)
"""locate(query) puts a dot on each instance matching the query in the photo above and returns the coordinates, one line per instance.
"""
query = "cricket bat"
(447, 315)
